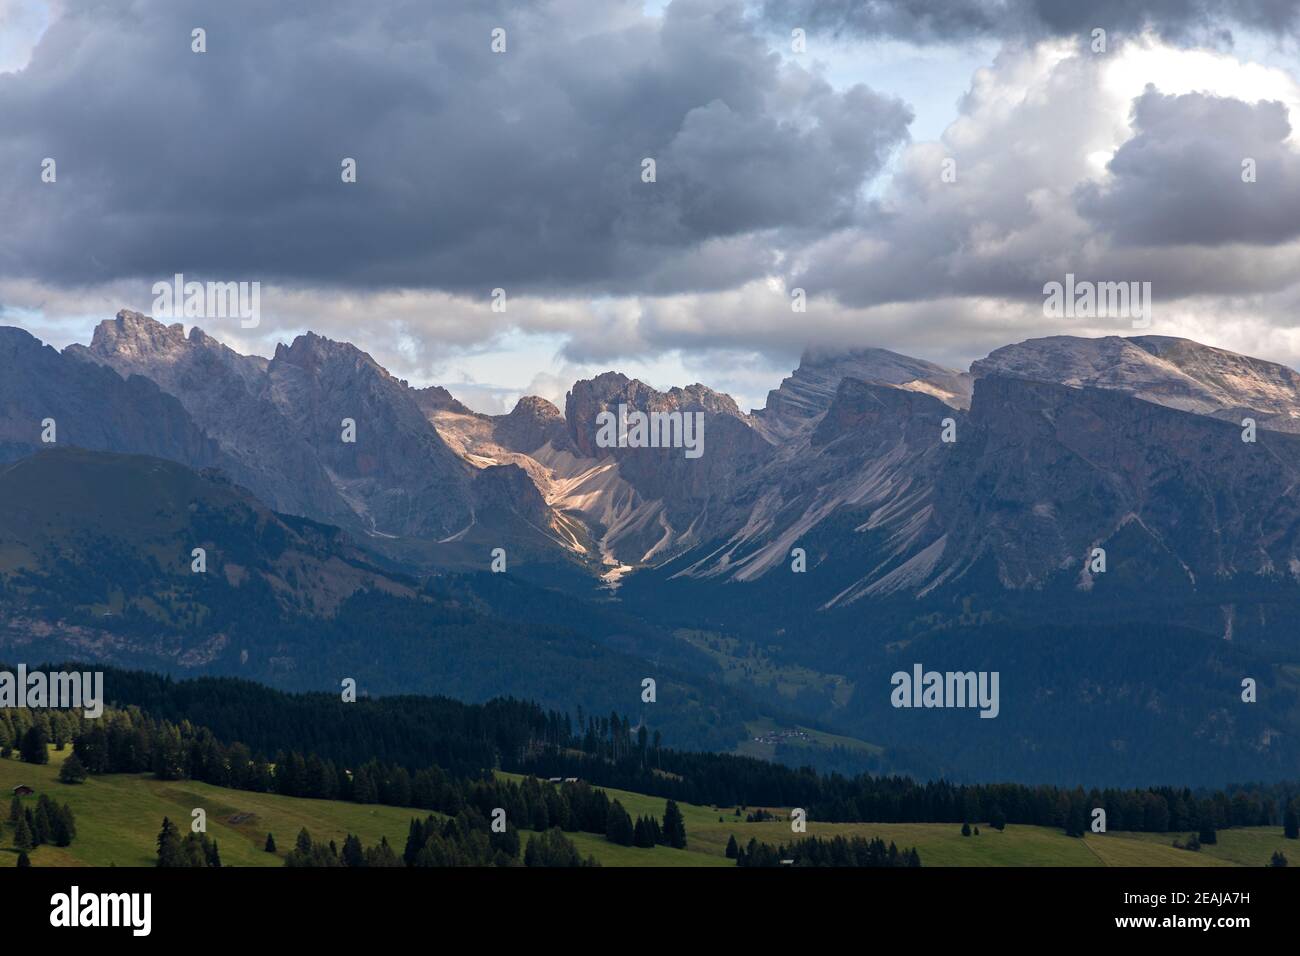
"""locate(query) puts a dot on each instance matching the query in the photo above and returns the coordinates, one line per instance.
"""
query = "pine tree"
(618, 826)
(213, 854)
(353, 855)
(23, 834)
(270, 844)
(73, 770)
(1076, 822)
(24, 859)
(674, 826)
(644, 836)
(35, 747)
(415, 840)
(1279, 859)
(42, 822)
(382, 855)
(65, 826)
(732, 847)
(965, 829)
(1291, 822)
(15, 809)
(170, 850)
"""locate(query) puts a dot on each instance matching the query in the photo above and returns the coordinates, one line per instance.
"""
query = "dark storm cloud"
(956, 20)
(475, 169)
(1180, 178)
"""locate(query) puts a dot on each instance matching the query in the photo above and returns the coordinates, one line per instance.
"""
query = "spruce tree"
(415, 840)
(674, 826)
(618, 826)
(353, 855)
(23, 834)
(170, 850)
(270, 844)
(73, 770)
(732, 847)
(35, 746)
(42, 822)
(24, 859)
(1291, 822)
(65, 826)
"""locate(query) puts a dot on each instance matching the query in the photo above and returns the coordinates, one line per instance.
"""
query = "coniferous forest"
(439, 755)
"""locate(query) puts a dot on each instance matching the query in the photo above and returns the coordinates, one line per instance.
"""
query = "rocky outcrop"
(531, 424)
(1178, 373)
(91, 407)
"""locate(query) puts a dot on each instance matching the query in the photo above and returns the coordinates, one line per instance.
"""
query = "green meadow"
(119, 815)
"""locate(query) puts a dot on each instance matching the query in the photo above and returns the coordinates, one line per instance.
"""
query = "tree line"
(437, 754)
(815, 851)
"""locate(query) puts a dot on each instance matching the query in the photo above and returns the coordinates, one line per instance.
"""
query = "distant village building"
(776, 736)
(22, 790)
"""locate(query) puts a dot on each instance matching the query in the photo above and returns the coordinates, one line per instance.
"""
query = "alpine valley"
(770, 586)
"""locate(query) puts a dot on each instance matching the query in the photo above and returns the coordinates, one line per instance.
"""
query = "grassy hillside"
(119, 815)
(939, 844)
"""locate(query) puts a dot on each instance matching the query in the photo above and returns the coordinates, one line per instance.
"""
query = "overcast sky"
(775, 169)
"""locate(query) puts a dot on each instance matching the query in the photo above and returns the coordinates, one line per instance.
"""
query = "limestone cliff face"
(92, 407)
(228, 395)
(1062, 445)
(1178, 373)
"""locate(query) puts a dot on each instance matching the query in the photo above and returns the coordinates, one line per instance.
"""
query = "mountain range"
(876, 506)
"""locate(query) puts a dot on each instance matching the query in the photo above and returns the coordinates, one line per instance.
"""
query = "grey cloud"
(1179, 179)
(924, 21)
(476, 170)
(1027, 202)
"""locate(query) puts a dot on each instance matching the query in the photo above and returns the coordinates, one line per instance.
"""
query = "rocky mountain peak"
(806, 394)
(531, 424)
(134, 334)
(435, 398)
(1166, 370)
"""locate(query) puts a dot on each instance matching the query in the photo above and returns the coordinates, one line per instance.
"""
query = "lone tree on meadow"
(73, 770)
